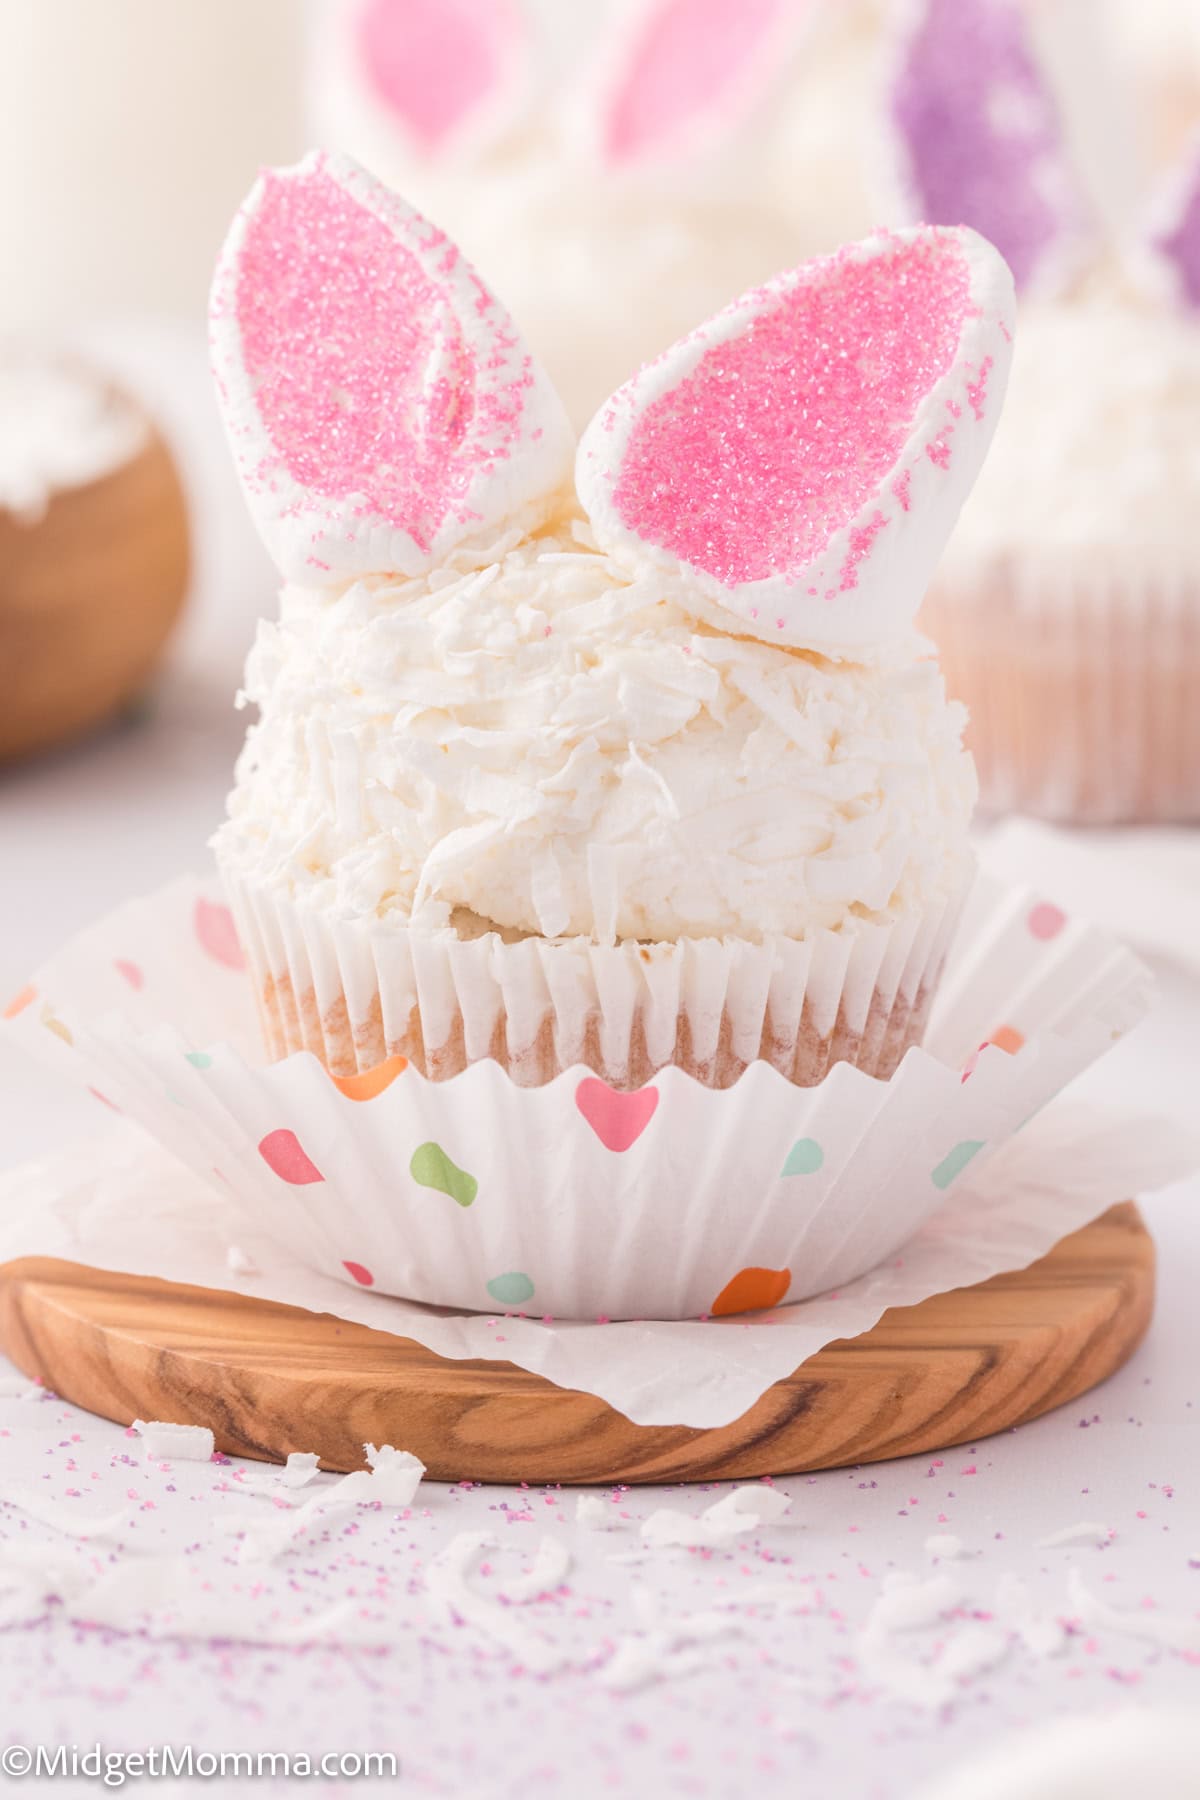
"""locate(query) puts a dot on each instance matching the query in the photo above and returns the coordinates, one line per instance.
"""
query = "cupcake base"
(293, 1022)
(357, 995)
(1082, 694)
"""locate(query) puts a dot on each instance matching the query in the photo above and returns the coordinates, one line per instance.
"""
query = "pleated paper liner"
(356, 993)
(1081, 680)
(575, 1199)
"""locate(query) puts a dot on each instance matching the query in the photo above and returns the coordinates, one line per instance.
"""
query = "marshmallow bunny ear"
(380, 403)
(686, 71)
(1175, 241)
(979, 136)
(801, 459)
(441, 70)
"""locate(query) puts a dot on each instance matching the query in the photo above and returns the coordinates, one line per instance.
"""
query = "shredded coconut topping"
(552, 745)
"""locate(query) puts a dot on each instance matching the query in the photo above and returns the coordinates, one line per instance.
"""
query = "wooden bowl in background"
(89, 591)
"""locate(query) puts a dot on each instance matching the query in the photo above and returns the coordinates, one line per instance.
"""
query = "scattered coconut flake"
(177, 1443)
(239, 1263)
(743, 1509)
(595, 1514)
(392, 1479)
(1086, 1532)
(973, 1651)
(448, 1581)
(1041, 1635)
(1169, 1631)
(909, 1605)
(550, 1567)
(945, 1545)
(299, 1469)
(664, 1652)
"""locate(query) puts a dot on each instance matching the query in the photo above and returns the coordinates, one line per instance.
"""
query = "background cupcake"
(621, 169)
(629, 764)
(1067, 609)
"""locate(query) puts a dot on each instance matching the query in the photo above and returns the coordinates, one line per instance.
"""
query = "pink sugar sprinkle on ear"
(902, 489)
(861, 542)
(435, 62)
(977, 390)
(361, 374)
(779, 436)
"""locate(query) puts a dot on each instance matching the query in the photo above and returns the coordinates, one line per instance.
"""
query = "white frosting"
(555, 746)
(60, 427)
(1097, 450)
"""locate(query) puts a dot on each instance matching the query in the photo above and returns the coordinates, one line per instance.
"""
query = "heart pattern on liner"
(618, 1119)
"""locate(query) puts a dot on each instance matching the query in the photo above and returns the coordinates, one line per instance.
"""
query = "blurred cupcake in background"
(621, 169)
(1067, 607)
(93, 548)
(1157, 43)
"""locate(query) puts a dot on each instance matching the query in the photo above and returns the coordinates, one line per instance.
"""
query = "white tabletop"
(760, 1678)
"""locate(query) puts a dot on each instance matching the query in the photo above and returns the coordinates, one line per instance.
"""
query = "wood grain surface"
(271, 1379)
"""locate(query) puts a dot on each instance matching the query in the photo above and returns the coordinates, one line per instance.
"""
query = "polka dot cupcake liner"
(356, 993)
(574, 1199)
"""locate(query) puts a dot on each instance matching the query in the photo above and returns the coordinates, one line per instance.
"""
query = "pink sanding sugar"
(690, 55)
(365, 383)
(782, 435)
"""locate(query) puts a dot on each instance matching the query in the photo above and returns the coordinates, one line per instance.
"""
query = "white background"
(786, 1702)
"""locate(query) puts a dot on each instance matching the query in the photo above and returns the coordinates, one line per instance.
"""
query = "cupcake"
(93, 549)
(620, 170)
(1067, 608)
(1158, 42)
(624, 754)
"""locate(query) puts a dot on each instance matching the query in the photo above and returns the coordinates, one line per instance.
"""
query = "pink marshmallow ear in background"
(688, 72)
(440, 69)
(801, 459)
(1174, 240)
(980, 136)
(381, 405)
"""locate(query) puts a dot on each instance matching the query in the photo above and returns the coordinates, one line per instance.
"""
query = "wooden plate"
(271, 1379)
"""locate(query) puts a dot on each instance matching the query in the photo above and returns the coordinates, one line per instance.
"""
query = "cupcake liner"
(1081, 680)
(573, 1198)
(356, 993)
